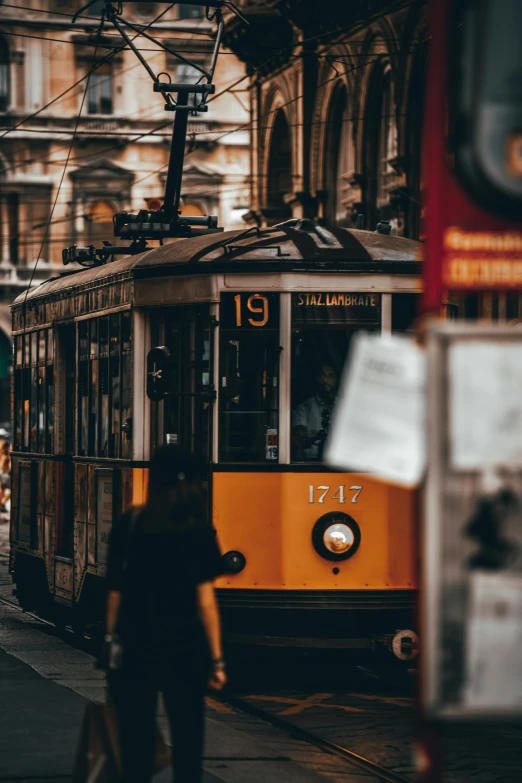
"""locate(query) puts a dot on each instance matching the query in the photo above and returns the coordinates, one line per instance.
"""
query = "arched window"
(279, 170)
(189, 11)
(98, 223)
(414, 130)
(99, 91)
(4, 75)
(337, 156)
(387, 139)
(188, 208)
(380, 138)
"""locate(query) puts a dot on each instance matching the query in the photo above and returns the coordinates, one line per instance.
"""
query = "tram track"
(243, 705)
(327, 746)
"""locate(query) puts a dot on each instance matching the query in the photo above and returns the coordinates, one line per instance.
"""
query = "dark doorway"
(279, 171)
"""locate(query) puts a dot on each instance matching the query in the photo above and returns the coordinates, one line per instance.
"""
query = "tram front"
(315, 557)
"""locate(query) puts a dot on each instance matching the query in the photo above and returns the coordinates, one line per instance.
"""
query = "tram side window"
(404, 312)
(34, 392)
(183, 417)
(249, 378)
(104, 386)
(323, 325)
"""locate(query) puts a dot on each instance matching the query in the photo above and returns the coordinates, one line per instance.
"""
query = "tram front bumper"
(351, 619)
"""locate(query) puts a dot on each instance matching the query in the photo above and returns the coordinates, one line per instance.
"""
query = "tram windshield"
(323, 325)
(249, 377)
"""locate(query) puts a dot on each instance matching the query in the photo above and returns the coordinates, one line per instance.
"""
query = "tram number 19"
(257, 305)
(338, 495)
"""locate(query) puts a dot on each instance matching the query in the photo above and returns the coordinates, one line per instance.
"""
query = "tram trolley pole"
(166, 221)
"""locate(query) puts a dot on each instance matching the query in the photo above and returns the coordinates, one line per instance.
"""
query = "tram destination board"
(472, 551)
(331, 307)
(249, 311)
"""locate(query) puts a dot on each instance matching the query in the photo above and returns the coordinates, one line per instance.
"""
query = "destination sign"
(336, 307)
(252, 311)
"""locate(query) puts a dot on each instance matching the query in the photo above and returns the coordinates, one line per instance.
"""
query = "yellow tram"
(227, 344)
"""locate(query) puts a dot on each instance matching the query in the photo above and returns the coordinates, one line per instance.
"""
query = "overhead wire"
(169, 123)
(79, 81)
(101, 46)
(228, 89)
(42, 245)
(89, 18)
(297, 44)
(268, 113)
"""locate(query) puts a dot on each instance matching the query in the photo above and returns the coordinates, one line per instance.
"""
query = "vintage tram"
(223, 344)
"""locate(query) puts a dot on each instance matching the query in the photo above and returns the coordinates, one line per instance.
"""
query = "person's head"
(326, 380)
(176, 492)
(5, 447)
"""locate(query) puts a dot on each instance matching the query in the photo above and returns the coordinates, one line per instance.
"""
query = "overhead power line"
(42, 245)
(82, 79)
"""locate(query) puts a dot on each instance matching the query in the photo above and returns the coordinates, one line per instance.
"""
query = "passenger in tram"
(5, 476)
(163, 625)
(311, 419)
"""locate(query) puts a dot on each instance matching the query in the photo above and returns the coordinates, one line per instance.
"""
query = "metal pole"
(177, 155)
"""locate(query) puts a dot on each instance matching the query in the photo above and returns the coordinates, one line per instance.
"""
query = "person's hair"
(176, 494)
(319, 366)
(5, 447)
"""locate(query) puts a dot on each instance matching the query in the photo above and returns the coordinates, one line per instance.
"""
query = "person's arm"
(113, 605)
(208, 611)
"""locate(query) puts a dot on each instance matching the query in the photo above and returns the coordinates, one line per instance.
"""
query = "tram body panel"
(242, 325)
(269, 518)
(248, 516)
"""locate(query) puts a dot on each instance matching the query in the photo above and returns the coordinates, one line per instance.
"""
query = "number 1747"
(339, 494)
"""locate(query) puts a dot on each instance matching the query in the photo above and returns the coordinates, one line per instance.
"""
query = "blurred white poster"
(485, 404)
(494, 641)
(378, 420)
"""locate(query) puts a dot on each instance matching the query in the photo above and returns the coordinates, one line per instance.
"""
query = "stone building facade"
(118, 161)
(337, 105)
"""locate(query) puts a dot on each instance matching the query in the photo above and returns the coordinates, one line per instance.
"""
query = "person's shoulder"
(305, 406)
(128, 518)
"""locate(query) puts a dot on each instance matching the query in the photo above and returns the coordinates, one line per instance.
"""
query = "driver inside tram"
(311, 419)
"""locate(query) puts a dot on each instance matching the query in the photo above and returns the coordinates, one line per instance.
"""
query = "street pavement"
(45, 684)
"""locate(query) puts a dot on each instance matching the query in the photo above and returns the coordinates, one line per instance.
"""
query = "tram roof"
(282, 248)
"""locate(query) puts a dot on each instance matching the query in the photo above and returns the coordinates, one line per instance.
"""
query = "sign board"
(378, 419)
(330, 307)
(472, 545)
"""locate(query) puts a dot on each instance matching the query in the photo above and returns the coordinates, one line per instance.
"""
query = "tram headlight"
(234, 561)
(336, 536)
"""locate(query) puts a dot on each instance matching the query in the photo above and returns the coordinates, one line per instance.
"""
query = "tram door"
(184, 416)
(66, 396)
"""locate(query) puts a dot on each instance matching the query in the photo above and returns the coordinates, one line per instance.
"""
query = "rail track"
(243, 705)
(370, 767)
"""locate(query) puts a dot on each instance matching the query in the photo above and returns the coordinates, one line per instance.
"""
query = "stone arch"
(279, 170)
(412, 142)
(327, 89)
(378, 139)
(98, 219)
(337, 156)
(277, 97)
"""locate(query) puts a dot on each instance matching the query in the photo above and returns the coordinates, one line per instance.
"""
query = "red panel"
(467, 248)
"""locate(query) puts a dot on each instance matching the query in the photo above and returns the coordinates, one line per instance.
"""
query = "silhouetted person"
(311, 419)
(161, 601)
(5, 475)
